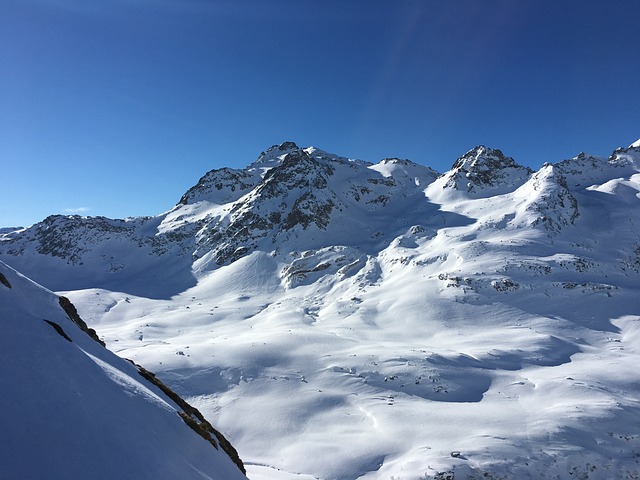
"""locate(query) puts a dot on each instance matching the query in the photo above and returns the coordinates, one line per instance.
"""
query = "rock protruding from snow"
(337, 262)
(484, 172)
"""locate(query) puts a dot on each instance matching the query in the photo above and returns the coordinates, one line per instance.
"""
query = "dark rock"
(72, 313)
(4, 281)
(194, 419)
(59, 329)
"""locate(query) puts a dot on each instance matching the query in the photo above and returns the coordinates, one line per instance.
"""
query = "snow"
(75, 410)
(487, 331)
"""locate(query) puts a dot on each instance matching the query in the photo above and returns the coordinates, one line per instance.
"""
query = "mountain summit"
(484, 172)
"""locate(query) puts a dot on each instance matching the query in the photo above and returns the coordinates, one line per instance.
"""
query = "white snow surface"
(73, 409)
(407, 327)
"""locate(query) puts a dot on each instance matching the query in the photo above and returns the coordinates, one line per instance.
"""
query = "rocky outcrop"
(194, 419)
(483, 172)
(71, 311)
(220, 186)
(585, 170)
(4, 281)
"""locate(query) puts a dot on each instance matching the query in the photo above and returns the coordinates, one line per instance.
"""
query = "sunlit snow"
(482, 324)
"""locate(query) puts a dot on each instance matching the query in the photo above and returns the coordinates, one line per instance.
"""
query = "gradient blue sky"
(116, 107)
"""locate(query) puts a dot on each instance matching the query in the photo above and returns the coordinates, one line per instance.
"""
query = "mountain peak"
(274, 154)
(484, 171)
(482, 157)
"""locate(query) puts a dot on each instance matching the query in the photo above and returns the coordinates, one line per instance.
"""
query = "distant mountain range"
(380, 320)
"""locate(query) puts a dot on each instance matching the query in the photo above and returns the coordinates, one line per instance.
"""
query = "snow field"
(482, 324)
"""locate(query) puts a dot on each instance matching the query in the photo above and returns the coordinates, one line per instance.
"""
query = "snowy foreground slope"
(73, 409)
(342, 320)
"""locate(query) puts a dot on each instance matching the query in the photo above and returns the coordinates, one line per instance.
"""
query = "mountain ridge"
(229, 213)
(479, 323)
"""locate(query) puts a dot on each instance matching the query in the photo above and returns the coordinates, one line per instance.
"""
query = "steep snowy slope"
(72, 409)
(382, 321)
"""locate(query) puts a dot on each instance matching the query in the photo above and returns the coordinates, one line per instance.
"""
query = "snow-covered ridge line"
(307, 194)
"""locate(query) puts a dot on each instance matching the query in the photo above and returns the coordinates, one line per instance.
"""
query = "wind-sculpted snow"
(380, 321)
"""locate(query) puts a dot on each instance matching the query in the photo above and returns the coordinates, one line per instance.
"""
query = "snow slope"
(343, 320)
(72, 409)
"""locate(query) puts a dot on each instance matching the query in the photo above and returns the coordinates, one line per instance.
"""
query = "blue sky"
(116, 107)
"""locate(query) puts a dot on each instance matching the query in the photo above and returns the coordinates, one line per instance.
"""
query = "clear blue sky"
(116, 107)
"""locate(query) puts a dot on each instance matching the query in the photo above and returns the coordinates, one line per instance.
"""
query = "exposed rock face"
(220, 186)
(195, 420)
(4, 281)
(485, 171)
(585, 170)
(275, 153)
(71, 237)
(72, 313)
(66, 237)
(292, 194)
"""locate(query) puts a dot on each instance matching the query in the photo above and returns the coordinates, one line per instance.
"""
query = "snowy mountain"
(484, 172)
(341, 320)
(73, 409)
